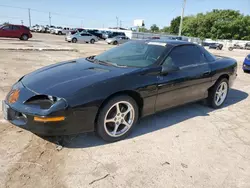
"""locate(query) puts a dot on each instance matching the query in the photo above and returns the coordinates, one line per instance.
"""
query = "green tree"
(217, 24)
(165, 29)
(154, 28)
(143, 29)
(174, 25)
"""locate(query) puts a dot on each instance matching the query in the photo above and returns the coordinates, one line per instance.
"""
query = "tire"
(74, 40)
(115, 43)
(59, 33)
(213, 92)
(230, 48)
(24, 37)
(109, 111)
(92, 41)
(218, 48)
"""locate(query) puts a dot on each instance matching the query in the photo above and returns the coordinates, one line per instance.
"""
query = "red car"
(15, 31)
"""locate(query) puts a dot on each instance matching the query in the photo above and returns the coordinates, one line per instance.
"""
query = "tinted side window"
(7, 27)
(84, 34)
(186, 55)
(209, 57)
(16, 27)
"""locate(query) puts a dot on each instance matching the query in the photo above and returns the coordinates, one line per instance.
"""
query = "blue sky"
(99, 13)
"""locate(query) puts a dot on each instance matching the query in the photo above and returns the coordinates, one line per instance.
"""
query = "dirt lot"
(189, 146)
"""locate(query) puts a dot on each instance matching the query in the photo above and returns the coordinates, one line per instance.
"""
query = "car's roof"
(17, 25)
(168, 42)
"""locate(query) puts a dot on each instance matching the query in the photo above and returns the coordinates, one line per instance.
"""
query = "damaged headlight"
(46, 102)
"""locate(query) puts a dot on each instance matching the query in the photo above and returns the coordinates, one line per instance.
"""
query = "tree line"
(217, 24)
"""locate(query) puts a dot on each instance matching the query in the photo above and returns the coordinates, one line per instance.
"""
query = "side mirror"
(167, 69)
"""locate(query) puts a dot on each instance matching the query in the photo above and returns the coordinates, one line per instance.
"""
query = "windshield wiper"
(90, 58)
(93, 60)
(108, 63)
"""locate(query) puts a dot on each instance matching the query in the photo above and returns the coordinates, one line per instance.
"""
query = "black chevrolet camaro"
(109, 92)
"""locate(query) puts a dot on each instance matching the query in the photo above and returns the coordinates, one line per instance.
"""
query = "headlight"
(46, 102)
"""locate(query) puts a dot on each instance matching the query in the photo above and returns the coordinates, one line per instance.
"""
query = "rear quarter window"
(26, 28)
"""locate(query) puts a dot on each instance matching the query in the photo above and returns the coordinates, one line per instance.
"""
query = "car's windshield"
(133, 54)
(248, 56)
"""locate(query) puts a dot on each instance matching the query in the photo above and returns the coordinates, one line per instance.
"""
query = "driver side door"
(189, 82)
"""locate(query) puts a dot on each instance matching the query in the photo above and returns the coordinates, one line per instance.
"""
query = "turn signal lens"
(13, 97)
(49, 119)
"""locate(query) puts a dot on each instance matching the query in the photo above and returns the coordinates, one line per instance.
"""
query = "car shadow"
(151, 123)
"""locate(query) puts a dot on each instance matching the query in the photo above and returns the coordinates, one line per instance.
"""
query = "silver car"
(81, 37)
(117, 40)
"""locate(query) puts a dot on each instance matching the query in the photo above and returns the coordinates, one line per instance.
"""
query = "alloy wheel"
(119, 119)
(221, 93)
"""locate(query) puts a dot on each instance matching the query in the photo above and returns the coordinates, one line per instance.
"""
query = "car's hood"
(63, 79)
(247, 61)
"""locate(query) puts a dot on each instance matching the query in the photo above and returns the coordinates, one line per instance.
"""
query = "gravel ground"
(188, 146)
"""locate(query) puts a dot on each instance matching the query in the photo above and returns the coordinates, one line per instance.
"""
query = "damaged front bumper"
(38, 115)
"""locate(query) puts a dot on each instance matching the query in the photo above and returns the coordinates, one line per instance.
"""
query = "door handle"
(206, 73)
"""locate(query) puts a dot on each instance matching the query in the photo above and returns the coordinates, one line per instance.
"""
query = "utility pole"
(49, 19)
(117, 22)
(120, 23)
(29, 17)
(21, 22)
(182, 15)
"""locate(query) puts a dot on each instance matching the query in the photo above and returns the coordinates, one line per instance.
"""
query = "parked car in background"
(247, 46)
(113, 34)
(41, 29)
(50, 28)
(76, 30)
(205, 43)
(117, 40)
(61, 31)
(81, 37)
(246, 64)
(95, 32)
(15, 31)
(235, 46)
(216, 46)
(34, 28)
(110, 92)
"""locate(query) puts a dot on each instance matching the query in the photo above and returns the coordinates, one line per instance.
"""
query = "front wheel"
(115, 42)
(92, 41)
(218, 93)
(74, 40)
(230, 48)
(116, 118)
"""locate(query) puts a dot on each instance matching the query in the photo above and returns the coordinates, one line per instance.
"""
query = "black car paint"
(84, 87)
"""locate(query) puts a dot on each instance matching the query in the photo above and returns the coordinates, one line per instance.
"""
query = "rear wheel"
(59, 33)
(218, 93)
(92, 41)
(230, 48)
(24, 37)
(74, 40)
(115, 42)
(116, 118)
